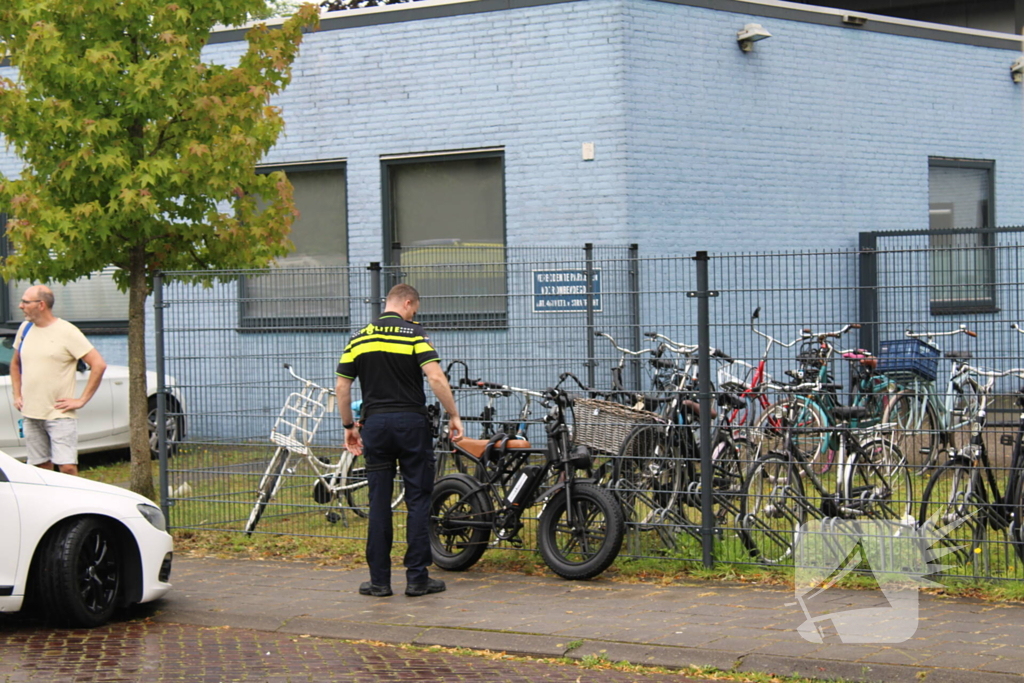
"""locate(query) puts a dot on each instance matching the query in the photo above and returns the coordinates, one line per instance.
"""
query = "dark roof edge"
(875, 23)
(810, 14)
(395, 14)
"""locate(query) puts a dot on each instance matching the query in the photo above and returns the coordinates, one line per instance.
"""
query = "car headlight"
(153, 515)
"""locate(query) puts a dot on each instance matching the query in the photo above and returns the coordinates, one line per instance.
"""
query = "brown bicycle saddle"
(478, 447)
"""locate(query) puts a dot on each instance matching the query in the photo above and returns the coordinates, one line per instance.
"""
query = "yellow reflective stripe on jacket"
(377, 345)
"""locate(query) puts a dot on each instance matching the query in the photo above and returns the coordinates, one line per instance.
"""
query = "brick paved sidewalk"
(137, 650)
(729, 626)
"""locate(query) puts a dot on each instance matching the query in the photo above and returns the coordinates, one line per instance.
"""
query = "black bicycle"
(580, 526)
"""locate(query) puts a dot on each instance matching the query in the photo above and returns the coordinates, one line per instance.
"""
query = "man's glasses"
(27, 302)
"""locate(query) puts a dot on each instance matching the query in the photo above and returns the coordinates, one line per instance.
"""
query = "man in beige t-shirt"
(46, 354)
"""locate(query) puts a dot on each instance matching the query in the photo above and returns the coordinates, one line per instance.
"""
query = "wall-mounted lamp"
(1017, 70)
(750, 34)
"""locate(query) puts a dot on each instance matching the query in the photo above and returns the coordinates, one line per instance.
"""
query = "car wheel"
(79, 573)
(173, 419)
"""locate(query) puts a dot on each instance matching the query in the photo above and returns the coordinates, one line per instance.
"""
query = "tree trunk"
(141, 480)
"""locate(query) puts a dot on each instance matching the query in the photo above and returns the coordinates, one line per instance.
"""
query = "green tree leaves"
(138, 154)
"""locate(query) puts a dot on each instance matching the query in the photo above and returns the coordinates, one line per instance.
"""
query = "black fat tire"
(955, 501)
(79, 573)
(591, 544)
(457, 547)
(358, 499)
(269, 484)
(772, 508)
(174, 420)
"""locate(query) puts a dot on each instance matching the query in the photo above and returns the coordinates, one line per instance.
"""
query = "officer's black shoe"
(429, 586)
(367, 588)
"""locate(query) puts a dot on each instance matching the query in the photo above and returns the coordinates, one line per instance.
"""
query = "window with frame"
(93, 303)
(960, 217)
(308, 288)
(444, 229)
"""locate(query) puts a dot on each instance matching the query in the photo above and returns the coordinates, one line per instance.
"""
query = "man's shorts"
(52, 441)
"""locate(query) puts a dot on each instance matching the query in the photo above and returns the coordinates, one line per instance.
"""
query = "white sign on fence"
(565, 291)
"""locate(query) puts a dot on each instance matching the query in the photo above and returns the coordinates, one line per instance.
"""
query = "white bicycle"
(340, 482)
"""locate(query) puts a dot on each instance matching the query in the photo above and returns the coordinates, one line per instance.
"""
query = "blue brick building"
(826, 129)
(494, 124)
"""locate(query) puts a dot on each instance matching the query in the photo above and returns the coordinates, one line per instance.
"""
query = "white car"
(103, 422)
(77, 549)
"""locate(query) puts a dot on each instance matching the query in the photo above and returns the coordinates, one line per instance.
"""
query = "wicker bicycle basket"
(603, 426)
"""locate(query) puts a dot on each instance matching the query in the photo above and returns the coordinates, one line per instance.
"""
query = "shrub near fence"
(533, 321)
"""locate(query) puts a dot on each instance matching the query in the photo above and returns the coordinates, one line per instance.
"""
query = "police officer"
(390, 356)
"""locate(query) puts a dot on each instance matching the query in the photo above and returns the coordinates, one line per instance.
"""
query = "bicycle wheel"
(954, 505)
(966, 404)
(454, 545)
(269, 484)
(879, 484)
(801, 414)
(356, 490)
(916, 429)
(647, 477)
(772, 509)
(730, 455)
(1016, 497)
(581, 542)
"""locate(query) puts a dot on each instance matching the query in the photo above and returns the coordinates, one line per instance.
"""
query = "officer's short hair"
(403, 292)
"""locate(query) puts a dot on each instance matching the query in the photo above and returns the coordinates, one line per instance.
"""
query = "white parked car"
(103, 422)
(77, 549)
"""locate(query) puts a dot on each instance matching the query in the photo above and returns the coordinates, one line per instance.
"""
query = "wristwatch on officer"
(350, 425)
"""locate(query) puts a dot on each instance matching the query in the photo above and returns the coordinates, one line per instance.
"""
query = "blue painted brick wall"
(819, 133)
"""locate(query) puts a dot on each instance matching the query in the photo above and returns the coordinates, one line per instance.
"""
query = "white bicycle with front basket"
(340, 481)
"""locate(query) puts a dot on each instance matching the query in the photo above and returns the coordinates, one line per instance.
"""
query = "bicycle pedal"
(333, 517)
(516, 542)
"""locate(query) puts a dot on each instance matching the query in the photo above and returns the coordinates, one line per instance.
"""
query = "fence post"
(588, 251)
(161, 396)
(868, 291)
(707, 526)
(634, 310)
(375, 272)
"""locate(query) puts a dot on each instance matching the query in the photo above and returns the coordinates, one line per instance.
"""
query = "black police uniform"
(387, 356)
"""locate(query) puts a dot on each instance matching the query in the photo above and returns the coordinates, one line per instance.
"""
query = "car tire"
(175, 420)
(79, 573)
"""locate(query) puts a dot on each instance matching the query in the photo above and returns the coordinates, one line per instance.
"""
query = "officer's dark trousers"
(403, 439)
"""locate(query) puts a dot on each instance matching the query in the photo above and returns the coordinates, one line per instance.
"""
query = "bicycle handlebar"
(308, 382)
(928, 336)
(621, 349)
(836, 334)
(568, 375)
(994, 374)
(669, 344)
(481, 384)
